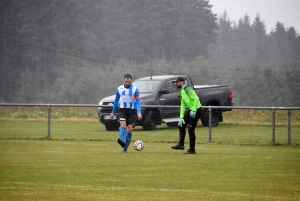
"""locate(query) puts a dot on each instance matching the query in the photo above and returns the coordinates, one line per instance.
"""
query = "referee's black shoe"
(181, 147)
(190, 152)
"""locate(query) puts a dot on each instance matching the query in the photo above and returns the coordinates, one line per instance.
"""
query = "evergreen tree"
(293, 49)
(222, 50)
(244, 44)
(278, 45)
(70, 51)
(259, 40)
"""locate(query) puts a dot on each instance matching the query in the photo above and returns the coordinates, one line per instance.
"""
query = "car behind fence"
(242, 125)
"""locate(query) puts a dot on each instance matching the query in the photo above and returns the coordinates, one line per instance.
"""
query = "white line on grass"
(41, 186)
(266, 157)
(60, 151)
(244, 156)
(92, 188)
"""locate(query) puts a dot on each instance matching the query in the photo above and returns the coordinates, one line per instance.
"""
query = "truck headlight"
(100, 103)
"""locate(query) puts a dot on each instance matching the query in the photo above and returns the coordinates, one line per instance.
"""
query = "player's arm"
(182, 109)
(137, 103)
(195, 99)
(115, 107)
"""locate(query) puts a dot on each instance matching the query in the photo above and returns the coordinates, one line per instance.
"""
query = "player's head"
(127, 80)
(179, 82)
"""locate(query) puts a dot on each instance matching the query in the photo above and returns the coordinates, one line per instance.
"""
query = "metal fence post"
(273, 126)
(49, 120)
(289, 127)
(209, 124)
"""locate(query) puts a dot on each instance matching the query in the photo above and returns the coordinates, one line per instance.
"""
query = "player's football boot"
(121, 143)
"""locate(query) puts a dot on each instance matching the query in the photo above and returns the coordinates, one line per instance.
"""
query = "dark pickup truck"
(161, 91)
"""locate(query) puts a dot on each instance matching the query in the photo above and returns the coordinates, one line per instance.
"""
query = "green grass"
(91, 129)
(97, 170)
(74, 123)
(82, 161)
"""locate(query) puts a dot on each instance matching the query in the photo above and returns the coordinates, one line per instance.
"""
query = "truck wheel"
(148, 123)
(172, 124)
(214, 118)
(112, 127)
(149, 126)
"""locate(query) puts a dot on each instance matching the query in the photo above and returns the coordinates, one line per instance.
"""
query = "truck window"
(186, 83)
(147, 86)
(169, 86)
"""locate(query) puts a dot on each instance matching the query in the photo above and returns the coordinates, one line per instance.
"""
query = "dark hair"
(127, 76)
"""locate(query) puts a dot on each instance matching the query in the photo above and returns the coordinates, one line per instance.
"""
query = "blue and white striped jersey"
(127, 98)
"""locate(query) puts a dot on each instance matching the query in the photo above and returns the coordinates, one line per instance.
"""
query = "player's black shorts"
(128, 115)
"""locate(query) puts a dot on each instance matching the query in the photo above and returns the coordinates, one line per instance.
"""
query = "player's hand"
(111, 116)
(139, 116)
(192, 114)
(181, 121)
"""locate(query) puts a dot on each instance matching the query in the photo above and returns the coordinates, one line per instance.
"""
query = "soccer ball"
(138, 145)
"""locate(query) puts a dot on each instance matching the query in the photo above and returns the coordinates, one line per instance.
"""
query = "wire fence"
(242, 125)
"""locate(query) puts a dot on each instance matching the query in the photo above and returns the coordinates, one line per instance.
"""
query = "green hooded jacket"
(188, 99)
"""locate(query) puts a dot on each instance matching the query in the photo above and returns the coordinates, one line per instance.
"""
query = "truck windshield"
(147, 86)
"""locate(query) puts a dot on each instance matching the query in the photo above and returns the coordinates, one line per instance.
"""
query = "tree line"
(77, 52)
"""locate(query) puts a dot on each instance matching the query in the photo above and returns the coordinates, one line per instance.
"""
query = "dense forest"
(75, 51)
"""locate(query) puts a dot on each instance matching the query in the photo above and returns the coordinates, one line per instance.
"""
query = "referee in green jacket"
(188, 117)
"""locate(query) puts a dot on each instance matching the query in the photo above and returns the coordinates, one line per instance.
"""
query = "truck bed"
(208, 86)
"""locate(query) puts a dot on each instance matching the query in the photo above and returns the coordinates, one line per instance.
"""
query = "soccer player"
(190, 117)
(128, 103)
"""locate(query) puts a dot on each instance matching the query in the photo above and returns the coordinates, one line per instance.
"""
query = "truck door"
(169, 97)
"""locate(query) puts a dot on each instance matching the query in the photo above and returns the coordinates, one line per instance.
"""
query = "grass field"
(97, 170)
(82, 161)
(73, 123)
(86, 129)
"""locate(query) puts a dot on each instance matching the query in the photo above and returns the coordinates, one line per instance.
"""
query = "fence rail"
(242, 125)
